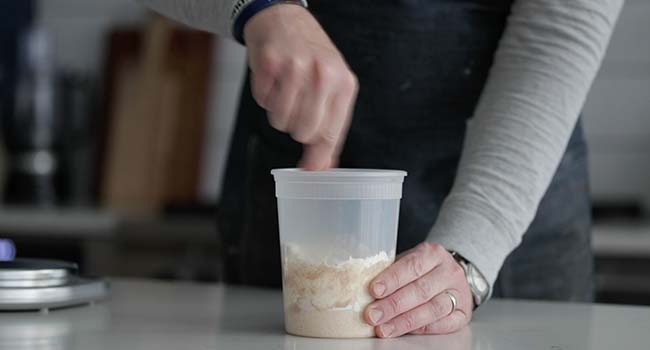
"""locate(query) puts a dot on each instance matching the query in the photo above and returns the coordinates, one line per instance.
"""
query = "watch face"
(479, 283)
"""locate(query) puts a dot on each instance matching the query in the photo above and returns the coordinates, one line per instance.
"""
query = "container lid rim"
(338, 172)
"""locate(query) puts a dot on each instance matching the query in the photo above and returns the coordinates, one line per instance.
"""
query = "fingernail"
(375, 315)
(378, 289)
(387, 329)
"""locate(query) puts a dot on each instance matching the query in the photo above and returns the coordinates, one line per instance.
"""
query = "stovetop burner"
(38, 284)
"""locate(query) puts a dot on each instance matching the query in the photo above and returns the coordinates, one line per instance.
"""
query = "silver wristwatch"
(478, 285)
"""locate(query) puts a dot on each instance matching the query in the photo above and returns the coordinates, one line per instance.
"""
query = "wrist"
(477, 283)
(245, 11)
(265, 24)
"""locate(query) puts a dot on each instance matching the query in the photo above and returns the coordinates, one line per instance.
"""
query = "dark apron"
(421, 65)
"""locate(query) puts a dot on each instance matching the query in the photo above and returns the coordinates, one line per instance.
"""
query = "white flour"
(327, 300)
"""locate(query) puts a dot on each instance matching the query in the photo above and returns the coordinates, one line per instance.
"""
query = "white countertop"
(145, 314)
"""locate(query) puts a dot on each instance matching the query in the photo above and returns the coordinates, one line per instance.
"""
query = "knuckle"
(423, 289)
(329, 136)
(302, 136)
(269, 61)
(432, 249)
(415, 266)
(273, 120)
(437, 309)
(409, 321)
(394, 304)
(393, 279)
(261, 100)
(271, 102)
(257, 90)
(278, 122)
(425, 247)
(437, 248)
(456, 269)
(293, 129)
(296, 66)
(351, 81)
(326, 72)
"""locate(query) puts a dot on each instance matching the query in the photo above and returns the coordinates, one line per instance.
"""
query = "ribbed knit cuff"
(243, 10)
(478, 239)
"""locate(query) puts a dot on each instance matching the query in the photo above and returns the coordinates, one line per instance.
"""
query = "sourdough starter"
(327, 300)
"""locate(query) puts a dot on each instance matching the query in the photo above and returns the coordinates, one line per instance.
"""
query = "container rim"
(297, 173)
(338, 183)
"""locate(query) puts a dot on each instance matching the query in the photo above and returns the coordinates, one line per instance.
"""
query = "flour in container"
(322, 299)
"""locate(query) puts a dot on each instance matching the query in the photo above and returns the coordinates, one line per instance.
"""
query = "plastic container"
(338, 230)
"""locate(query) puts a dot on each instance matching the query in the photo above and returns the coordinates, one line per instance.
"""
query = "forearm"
(209, 15)
(546, 61)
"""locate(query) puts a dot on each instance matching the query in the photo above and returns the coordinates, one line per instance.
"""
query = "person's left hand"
(413, 294)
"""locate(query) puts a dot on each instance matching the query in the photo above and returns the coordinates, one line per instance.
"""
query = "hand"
(412, 294)
(302, 80)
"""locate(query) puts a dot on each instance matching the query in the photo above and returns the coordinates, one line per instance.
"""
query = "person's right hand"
(302, 80)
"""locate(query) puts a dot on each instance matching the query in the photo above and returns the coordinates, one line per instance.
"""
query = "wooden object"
(158, 92)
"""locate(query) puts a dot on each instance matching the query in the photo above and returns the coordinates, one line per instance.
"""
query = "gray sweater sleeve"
(543, 68)
(209, 15)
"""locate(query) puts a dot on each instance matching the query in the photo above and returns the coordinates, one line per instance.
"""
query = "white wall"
(617, 112)
(230, 63)
(78, 28)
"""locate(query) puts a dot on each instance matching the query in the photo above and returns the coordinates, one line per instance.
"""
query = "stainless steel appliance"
(38, 284)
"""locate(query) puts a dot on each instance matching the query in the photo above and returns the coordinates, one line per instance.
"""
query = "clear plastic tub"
(338, 230)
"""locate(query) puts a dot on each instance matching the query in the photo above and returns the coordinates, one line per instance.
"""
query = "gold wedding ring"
(454, 301)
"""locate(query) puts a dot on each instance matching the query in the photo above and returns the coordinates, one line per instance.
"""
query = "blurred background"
(116, 125)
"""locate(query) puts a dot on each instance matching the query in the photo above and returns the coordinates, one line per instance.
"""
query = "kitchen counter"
(143, 314)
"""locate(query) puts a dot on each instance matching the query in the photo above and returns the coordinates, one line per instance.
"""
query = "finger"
(332, 136)
(438, 308)
(316, 157)
(407, 269)
(261, 86)
(283, 97)
(342, 110)
(409, 297)
(449, 324)
(311, 112)
(265, 67)
(324, 152)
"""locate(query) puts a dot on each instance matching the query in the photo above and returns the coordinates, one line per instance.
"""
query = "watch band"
(478, 285)
(243, 10)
